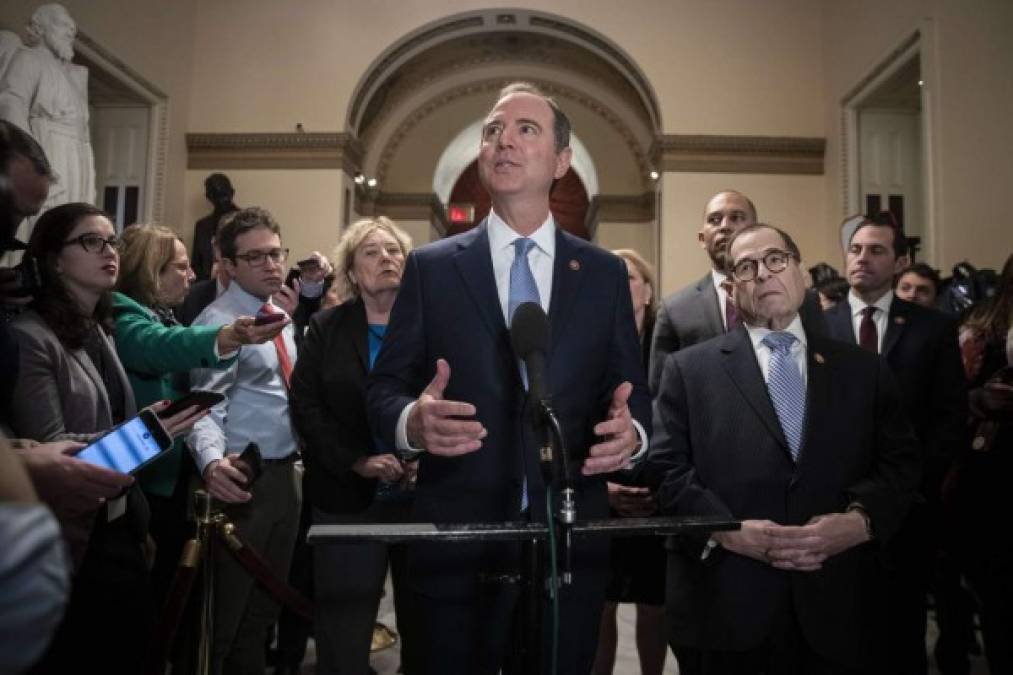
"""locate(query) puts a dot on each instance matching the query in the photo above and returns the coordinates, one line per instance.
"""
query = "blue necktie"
(522, 282)
(522, 289)
(787, 390)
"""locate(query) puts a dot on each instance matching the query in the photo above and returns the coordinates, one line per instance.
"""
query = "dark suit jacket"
(448, 307)
(693, 314)
(328, 404)
(718, 449)
(920, 346)
(201, 294)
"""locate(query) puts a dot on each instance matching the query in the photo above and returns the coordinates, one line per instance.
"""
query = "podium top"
(514, 530)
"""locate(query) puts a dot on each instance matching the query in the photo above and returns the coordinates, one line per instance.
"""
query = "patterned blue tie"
(787, 390)
(522, 289)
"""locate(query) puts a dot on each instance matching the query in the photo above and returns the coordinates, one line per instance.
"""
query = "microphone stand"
(566, 515)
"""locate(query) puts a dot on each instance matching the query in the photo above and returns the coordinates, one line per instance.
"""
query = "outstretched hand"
(440, 426)
(620, 436)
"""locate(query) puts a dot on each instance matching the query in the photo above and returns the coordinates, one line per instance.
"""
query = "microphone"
(529, 334)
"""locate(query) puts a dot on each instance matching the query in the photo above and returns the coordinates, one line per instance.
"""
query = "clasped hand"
(801, 548)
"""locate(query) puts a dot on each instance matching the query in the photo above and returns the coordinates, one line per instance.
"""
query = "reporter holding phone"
(349, 477)
(158, 354)
(255, 409)
(72, 386)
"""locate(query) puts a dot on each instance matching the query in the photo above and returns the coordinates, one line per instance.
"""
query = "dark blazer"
(920, 346)
(448, 307)
(61, 395)
(328, 404)
(718, 449)
(201, 294)
(693, 314)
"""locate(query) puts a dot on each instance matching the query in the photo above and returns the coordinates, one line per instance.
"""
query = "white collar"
(857, 304)
(250, 304)
(502, 235)
(757, 333)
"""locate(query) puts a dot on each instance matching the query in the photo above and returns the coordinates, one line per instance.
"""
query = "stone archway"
(424, 90)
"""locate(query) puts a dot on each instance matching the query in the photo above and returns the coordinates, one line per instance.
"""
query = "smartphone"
(252, 458)
(130, 446)
(264, 318)
(198, 397)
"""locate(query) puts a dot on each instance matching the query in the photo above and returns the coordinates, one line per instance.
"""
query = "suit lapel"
(817, 399)
(355, 327)
(474, 263)
(129, 404)
(710, 305)
(895, 325)
(567, 276)
(740, 363)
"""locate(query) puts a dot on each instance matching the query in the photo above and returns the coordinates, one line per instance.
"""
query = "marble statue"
(45, 94)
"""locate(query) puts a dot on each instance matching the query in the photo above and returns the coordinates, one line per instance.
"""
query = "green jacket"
(156, 357)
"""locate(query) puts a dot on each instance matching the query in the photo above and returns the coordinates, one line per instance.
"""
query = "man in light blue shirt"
(255, 410)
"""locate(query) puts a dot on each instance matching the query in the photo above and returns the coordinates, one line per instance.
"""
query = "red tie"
(868, 336)
(279, 346)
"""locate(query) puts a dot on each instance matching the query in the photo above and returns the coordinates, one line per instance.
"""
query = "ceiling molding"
(626, 208)
(400, 205)
(740, 154)
(327, 150)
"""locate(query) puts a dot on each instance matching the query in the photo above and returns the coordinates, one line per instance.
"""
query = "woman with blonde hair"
(638, 563)
(350, 478)
(158, 354)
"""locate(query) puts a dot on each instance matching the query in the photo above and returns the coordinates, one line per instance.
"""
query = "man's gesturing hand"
(620, 435)
(438, 425)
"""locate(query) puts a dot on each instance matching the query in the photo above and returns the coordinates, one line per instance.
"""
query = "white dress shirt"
(881, 317)
(763, 352)
(256, 405)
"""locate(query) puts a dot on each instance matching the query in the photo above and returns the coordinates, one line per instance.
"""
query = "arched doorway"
(419, 95)
(568, 202)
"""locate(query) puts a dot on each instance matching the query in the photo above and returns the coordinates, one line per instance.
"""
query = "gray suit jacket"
(693, 314)
(59, 393)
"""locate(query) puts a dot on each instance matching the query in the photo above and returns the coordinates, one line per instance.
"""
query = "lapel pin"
(574, 265)
(899, 320)
(819, 358)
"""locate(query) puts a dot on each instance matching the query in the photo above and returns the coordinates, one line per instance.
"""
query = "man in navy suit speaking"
(448, 384)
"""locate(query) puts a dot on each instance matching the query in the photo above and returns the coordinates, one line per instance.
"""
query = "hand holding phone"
(265, 318)
(198, 397)
(251, 463)
(130, 446)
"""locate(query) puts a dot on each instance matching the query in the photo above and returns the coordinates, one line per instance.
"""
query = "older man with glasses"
(804, 440)
(255, 410)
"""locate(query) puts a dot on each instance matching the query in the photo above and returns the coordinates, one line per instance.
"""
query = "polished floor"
(386, 662)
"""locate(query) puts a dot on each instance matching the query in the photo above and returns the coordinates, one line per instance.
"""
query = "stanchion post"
(207, 521)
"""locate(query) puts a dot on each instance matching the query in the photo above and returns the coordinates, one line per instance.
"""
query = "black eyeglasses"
(259, 258)
(94, 243)
(775, 261)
